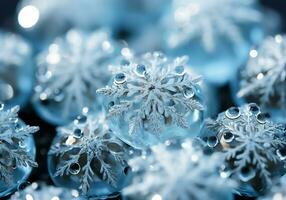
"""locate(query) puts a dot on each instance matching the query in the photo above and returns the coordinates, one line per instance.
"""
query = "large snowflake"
(264, 78)
(13, 135)
(208, 19)
(253, 145)
(177, 174)
(37, 191)
(152, 92)
(72, 69)
(87, 149)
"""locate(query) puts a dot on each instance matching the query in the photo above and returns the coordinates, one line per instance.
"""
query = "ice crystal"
(88, 149)
(152, 92)
(72, 69)
(180, 174)
(13, 135)
(209, 19)
(264, 77)
(253, 145)
(37, 191)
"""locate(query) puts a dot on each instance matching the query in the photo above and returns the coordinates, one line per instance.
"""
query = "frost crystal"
(253, 146)
(71, 70)
(208, 19)
(41, 191)
(264, 77)
(87, 149)
(13, 136)
(152, 92)
(180, 174)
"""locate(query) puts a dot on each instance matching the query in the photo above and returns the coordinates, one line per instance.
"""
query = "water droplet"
(253, 108)
(246, 174)
(262, 117)
(22, 144)
(281, 153)
(212, 141)
(233, 113)
(81, 119)
(78, 133)
(7, 91)
(120, 78)
(74, 168)
(59, 95)
(180, 70)
(228, 137)
(140, 70)
(189, 93)
(22, 185)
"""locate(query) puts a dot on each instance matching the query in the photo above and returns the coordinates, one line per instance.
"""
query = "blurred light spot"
(260, 76)
(74, 193)
(156, 197)
(71, 140)
(53, 58)
(253, 53)
(29, 197)
(278, 196)
(55, 198)
(85, 110)
(28, 16)
(7, 92)
(224, 175)
(126, 52)
(278, 38)
(194, 158)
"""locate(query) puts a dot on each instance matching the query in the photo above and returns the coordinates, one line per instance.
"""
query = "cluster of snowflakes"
(253, 145)
(153, 92)
(13, 138)
(209, 20)
(264, 77)
(88, 149)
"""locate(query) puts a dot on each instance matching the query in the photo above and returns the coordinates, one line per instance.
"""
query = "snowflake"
(87, 149)
(277, 192)
(152, 92)
(264, 77)
(177, 174)
(253, 145)
(13, 136)
(37, 191)
(72, 69)
(208, 19)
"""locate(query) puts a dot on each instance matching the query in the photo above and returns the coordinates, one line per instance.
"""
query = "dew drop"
(120, 78)
(22, 185)
(59, 95)
(81, 119)
(74, 168)
(262, 117)
(140, 70)
(253, 108)
(246, 174)
(228, 137)
(233, 113)
(180, 70)
(281, 153)
(189, 93)
(212, 141)
(78, 133)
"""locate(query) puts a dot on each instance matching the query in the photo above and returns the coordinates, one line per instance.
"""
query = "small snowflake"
(87, 149)
(72, 69)
(208, 19)
(41, 191)
(264, 77)
(177, 174)
(253, 145)
(152, 92)
(13, 135)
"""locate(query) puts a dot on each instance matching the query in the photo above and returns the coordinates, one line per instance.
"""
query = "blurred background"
(9, 22)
